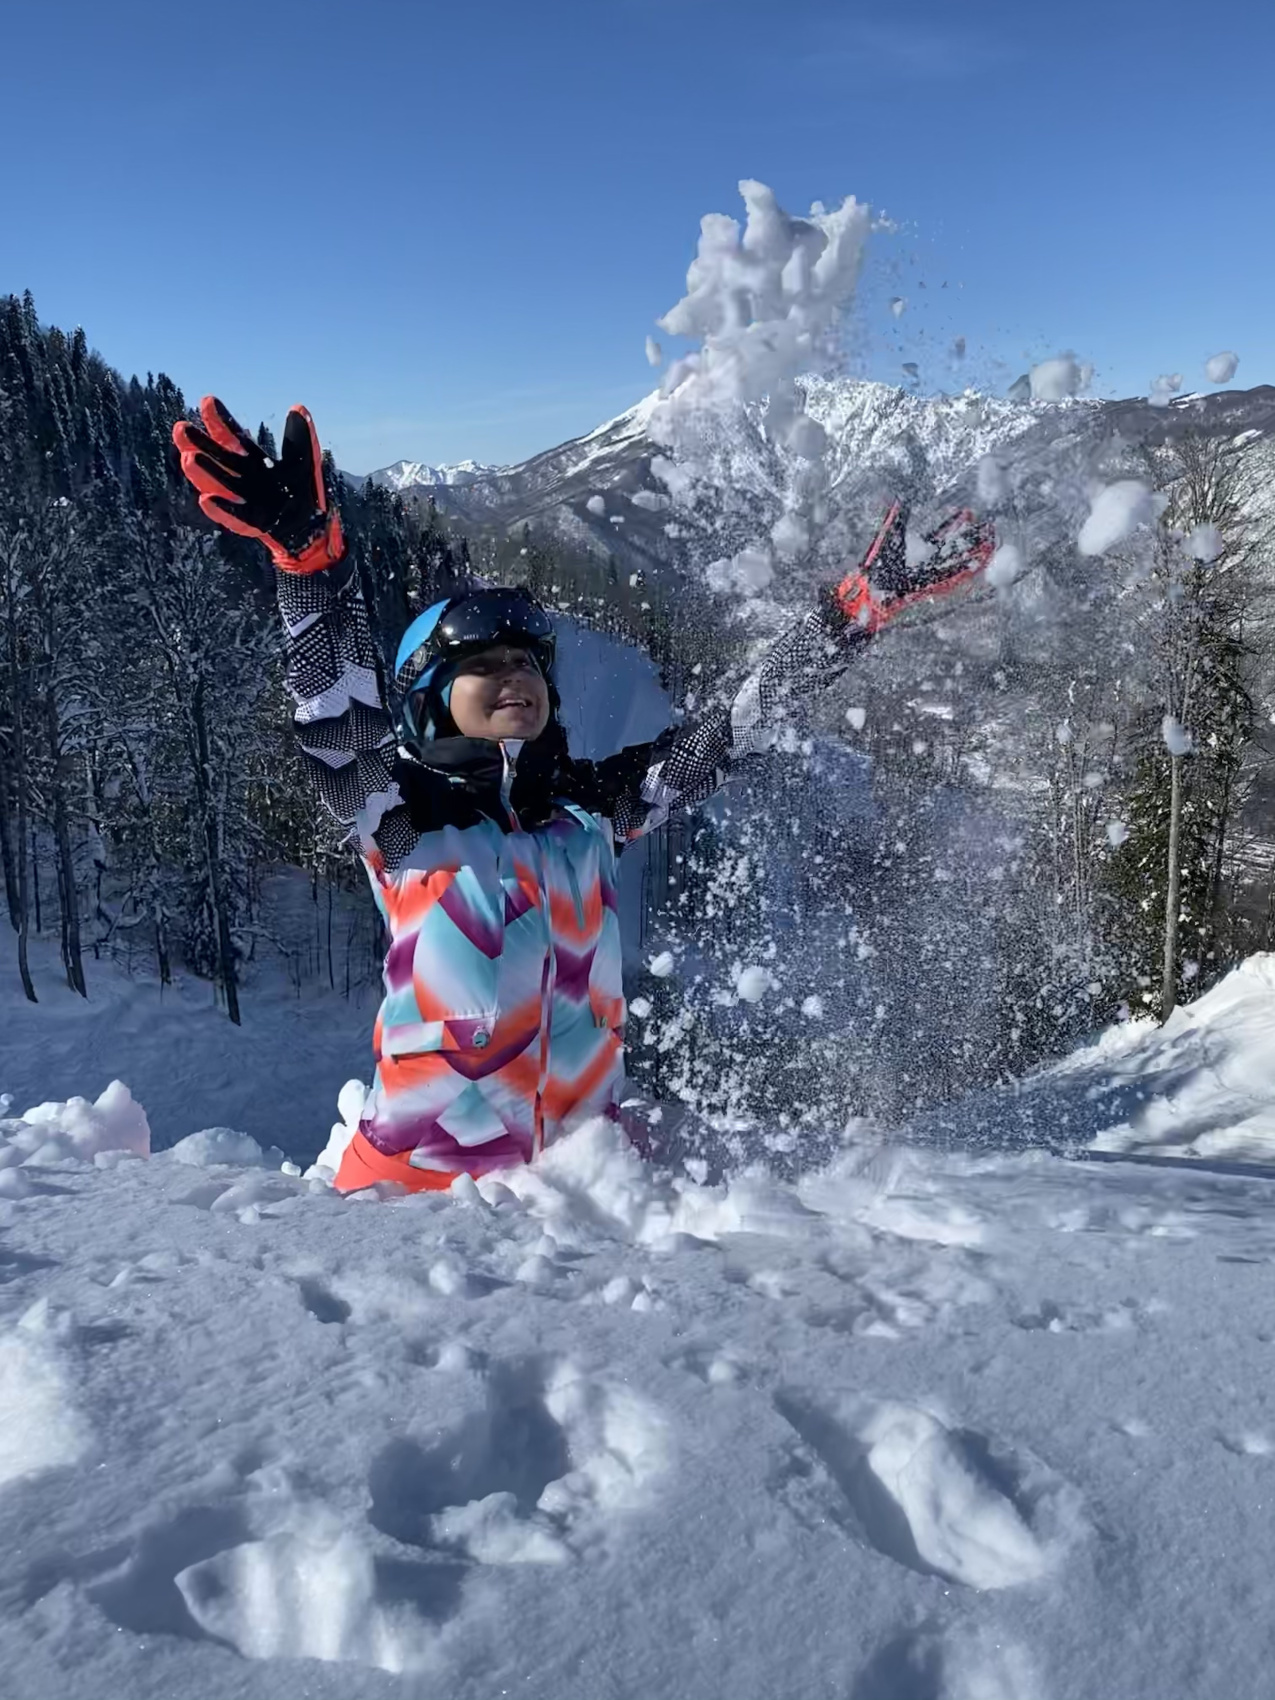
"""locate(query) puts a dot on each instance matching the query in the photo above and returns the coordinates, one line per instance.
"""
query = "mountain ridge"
(603, 492)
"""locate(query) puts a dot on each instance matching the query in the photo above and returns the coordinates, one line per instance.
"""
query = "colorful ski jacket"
(494, 868)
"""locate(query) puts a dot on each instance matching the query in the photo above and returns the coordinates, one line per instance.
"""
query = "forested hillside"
(146, 783)
(1050, 808)
(147, 780)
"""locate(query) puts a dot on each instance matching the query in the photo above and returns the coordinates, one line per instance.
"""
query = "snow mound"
(874, 1433)
(349, 1104)
(945, 1502)
(1203, 1085)
(221, 1145)
(77, 1130)
(592, 1184)
(39, 1426)
(309, 1592)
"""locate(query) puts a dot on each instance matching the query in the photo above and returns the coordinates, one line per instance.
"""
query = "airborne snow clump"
(759, 302)
(993, 485)
(1220, 368)
(750, 571)
(1055, 380)
(753, 983)
(1164, 388)
(1205, 543)
(1115, 513)
(1177, 740)
(1005, 566)
(763, 304)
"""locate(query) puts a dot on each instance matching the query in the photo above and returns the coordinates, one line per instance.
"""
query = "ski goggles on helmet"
(478, 620)
(448, 632)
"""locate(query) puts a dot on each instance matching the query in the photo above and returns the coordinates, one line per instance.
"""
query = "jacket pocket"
(417, 1038)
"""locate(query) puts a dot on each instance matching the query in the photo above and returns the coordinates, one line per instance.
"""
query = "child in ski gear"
(491, 851)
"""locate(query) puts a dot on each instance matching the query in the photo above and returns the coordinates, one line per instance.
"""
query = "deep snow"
(930, 1423)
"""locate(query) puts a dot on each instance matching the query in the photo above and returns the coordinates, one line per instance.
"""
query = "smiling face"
(499, 693)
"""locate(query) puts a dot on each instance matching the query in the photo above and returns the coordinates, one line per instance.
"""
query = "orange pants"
(363, 1164)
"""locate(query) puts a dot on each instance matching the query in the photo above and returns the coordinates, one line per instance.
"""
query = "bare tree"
(215, 662)
(1198, 594)
(10, 555)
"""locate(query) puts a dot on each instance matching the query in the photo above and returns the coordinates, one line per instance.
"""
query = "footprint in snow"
(1053, 1318)
(946, 1665)
(322, 1304)
(140, 1592)
(288, 1579)
(941, 1501)
(532, 1476)
(710, 1364)
(1249, 1444)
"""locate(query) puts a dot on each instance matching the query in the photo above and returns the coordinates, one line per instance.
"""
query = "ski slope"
(931, 1424)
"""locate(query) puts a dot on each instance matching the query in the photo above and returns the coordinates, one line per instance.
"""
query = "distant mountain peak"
(414, 474)
(620, 492)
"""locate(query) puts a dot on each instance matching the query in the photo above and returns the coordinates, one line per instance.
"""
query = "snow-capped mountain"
(609, 492)
(410, 474)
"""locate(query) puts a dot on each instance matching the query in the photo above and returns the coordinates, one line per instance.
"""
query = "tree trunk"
(331, 974)
(1168, 988)
(23, 967)
(1218, 869)
(64, 860)
(35, 881)
(161, 934)
(20, 778)
(97, 818)
(212, 855)
(6, 850)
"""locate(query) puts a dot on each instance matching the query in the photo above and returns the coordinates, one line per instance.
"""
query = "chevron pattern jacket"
(495, 874)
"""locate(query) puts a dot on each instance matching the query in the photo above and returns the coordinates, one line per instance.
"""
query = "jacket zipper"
(510, 750)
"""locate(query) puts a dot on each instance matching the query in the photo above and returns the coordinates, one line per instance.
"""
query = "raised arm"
(638, 788)
(344, 729)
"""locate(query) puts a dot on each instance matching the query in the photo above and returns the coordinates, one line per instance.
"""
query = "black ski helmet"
(463, 625)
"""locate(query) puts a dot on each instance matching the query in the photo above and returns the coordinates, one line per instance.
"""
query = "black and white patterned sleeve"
(639, 787)
(343, 727)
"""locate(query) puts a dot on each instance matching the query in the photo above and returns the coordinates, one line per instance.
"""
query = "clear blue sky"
(448, 227)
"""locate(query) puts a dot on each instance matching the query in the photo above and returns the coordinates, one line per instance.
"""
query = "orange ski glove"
(281, 503)
(885, 582)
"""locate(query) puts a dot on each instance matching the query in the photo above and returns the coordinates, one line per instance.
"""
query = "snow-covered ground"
(276, 1077)
(929, 1423)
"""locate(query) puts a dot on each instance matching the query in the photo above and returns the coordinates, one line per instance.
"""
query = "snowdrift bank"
(1203, 1085)
(925, 1424)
